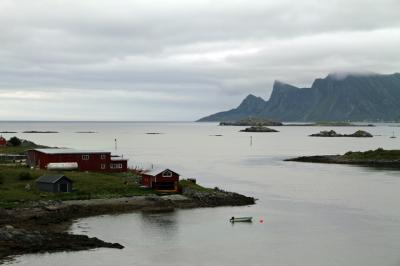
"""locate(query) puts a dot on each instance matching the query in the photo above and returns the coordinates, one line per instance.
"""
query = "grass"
(19, 149)
(378, 154)
(183, 183)
(86, 185)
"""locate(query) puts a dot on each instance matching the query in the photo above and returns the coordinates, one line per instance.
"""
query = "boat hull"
(241, 219)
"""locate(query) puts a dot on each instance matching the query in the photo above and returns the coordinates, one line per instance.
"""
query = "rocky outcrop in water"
(217, 197)
(15, 241)
(258, 129)
(332, 133)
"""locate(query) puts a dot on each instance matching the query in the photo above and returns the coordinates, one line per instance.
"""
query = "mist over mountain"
(337, 97)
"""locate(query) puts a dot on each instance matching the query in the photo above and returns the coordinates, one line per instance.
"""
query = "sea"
(305, 213)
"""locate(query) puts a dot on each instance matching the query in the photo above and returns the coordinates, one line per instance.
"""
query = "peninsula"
(33, 220)
(376, 158)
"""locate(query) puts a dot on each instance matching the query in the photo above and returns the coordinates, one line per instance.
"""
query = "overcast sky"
(179, 60)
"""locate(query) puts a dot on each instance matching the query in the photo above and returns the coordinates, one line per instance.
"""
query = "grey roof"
(118, 159)
(51, 178)
(157, 170)
(67, 151)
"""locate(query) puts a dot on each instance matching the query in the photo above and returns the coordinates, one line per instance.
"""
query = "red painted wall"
(3, 141)
(147, 180)
(94, 163)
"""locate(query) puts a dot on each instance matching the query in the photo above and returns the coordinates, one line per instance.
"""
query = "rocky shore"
(14, 241)
(42, 226)
(332, 133)
(258, 129)
(377, 158)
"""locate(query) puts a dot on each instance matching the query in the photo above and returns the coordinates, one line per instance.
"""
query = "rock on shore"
(15, 241)
(217, 197)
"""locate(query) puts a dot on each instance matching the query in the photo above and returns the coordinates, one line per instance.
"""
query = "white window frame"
(115, 165)
(103, 157)
(103, 166)
(164, 174)
(85, 157)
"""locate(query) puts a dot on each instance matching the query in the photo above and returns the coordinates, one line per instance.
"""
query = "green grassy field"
(87, 185)
(183, 183)
(378, 154)
(20, 149)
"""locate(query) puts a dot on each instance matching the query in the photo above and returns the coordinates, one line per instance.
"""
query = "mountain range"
(337, 97)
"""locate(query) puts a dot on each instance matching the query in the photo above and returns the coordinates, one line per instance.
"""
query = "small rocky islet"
(332, 133)
(258, 129)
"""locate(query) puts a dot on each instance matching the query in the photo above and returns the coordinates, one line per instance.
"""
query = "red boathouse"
(98, 161)
(161, 180)
(3, 141)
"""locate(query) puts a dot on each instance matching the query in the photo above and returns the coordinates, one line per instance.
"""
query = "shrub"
(14, 141)
(1, 179)
(25, 176)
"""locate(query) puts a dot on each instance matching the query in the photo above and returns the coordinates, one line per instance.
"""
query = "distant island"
(40, 132)
(332, 133)
(258, 129)
(377, 158)
(252, 122)
(257, 122)
(337, 97)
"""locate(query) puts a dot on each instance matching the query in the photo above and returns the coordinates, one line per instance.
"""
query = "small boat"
(240, 219)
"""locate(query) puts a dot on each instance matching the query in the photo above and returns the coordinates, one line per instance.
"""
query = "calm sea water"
(306, 214)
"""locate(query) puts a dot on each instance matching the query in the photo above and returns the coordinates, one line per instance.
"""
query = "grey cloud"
(207, 53)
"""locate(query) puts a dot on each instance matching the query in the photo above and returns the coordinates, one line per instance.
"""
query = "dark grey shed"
(54, 183)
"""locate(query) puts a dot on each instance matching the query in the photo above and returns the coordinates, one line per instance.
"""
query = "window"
(103, 166)
(116, 166)
(85, 157)
(103, 157)
(167, 173)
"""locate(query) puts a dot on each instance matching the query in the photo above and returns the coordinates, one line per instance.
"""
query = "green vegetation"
(184, 183)
(18, 146)
(14, 141)
(378, 154)
(333, 123)
(18, 188)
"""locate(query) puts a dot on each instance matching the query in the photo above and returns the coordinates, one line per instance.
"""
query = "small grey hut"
(54, 183)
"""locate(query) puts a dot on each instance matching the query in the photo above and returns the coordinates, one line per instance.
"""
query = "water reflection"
(160, 224)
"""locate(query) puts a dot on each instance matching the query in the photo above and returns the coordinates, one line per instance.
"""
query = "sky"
(179, 60)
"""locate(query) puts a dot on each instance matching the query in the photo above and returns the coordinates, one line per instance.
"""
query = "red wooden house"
(3, 141)
(98, 161)
(161, 180)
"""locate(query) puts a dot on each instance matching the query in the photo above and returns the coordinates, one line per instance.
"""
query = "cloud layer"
(179, 60)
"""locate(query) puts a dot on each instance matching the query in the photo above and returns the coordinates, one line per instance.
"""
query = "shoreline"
(338, 159)
(39, 228)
